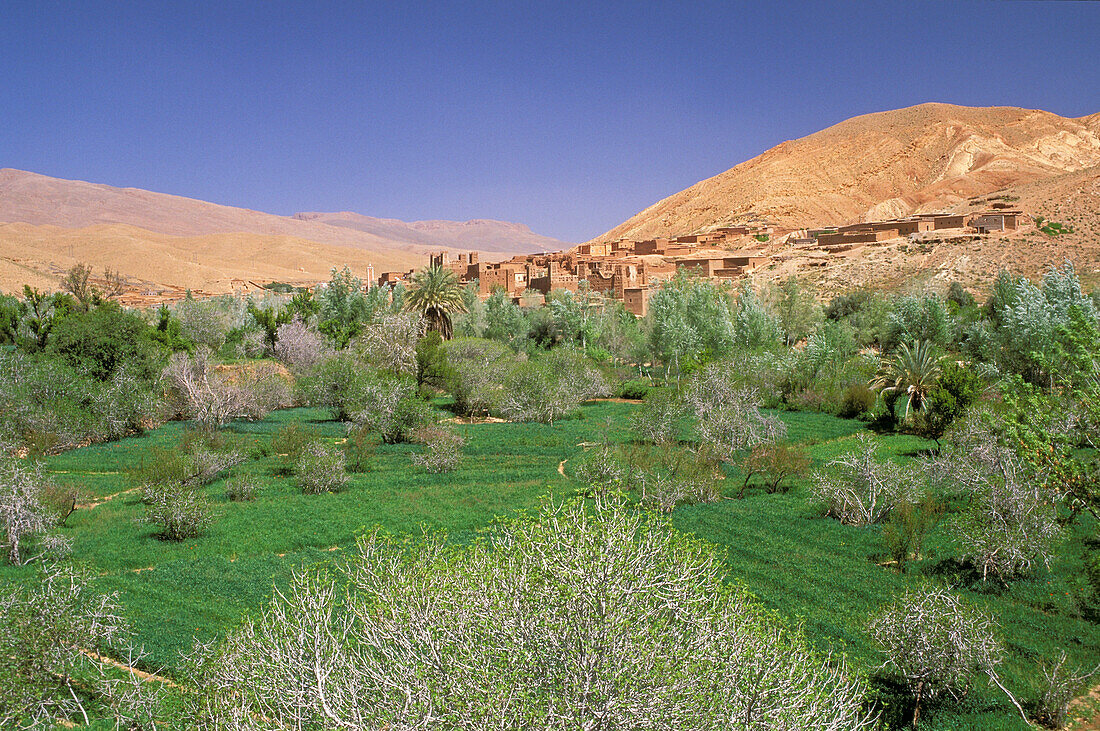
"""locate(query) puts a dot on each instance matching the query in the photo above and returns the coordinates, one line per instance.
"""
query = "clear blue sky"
(567, 117)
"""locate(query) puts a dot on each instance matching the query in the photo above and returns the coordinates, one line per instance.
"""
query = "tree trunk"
(916, 706)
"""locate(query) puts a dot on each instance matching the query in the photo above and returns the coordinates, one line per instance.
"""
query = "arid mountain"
(918, 159)
(159, 264)
(931, 261)
(159, 240)
(478, 234)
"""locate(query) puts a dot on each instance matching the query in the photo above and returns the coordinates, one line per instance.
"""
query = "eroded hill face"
(919, 159)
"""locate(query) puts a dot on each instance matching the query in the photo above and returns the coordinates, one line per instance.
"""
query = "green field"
(806, 568)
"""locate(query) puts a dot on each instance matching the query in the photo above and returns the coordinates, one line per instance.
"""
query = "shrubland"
(963, 475)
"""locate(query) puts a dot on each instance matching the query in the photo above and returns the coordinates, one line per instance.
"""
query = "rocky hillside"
(918, 159)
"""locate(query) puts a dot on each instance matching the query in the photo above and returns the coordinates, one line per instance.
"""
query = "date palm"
(436, 293)
(911, 371)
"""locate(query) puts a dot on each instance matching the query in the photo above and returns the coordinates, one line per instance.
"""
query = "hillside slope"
(921, 158)
(150, 261)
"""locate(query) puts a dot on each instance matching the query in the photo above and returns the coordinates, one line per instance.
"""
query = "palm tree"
(912, 371)
(435, 292)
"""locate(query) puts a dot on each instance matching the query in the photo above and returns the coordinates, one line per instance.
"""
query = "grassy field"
(806, 568)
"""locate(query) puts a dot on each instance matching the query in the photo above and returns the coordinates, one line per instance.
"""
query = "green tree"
(795, 309)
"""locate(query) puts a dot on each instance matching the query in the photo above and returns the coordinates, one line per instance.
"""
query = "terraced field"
(805, 568)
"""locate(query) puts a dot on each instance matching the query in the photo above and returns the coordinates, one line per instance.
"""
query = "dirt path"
(123, 666)
(561, 467)
(106, 498)
(1085, 711)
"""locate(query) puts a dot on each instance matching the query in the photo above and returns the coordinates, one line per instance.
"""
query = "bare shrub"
(1011, 522)
(52, 631)
(443, 448)
(300, 347)
(359, 448)
(23, 513)
(664, 477)
(389, 342)
(602, 470)
(320, 468)
(936, 645)
(180, 512)
(1061, 684)
(658, 419)
(728, 416)
(205, 394)
(583, 616)
(241, 488)
(859, 489)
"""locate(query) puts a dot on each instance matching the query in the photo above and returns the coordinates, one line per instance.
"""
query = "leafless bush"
(936, 645)
(728, 417)
(664, 477)
(659, 417)
(389, 342)
(775, 463)
(602, 470)
(1011, 521)
(54, 631)
(300, 347)
(241, 488)
(215, 397)
(584, 616)
(444, 448)
(320, 468)
(22, 511)
(252, 345)
(859, 489)
(1061, 684)
(179, 511)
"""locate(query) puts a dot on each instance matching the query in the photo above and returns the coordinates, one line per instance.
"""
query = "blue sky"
(567, 117)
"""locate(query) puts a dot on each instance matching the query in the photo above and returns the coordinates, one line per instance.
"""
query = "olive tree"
(551, 386)
(582, 616)
(858, 488)
(936, 645)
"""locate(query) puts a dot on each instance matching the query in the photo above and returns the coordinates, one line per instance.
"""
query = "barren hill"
(213, 263)
(159, 240)
(479, 234)
(922, 158)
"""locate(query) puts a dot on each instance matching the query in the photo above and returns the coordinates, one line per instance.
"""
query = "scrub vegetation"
(366, 509)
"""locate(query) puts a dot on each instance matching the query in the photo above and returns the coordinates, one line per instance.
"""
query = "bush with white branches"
(300, 347)
(728, 416)
(582, 617)
(1011, 522)
(936, 644)
(52, 637)
(858, 488)
(23, 513)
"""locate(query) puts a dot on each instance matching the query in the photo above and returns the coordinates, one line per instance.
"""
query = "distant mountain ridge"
(158, 240)
(479, 233)
(27, 197)
(875, 166)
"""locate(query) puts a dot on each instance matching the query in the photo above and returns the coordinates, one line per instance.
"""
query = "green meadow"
(809, 570)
